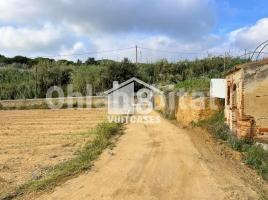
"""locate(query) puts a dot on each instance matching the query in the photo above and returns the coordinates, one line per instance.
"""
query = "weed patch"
(254, 156)
(198, 84)
(257, 158)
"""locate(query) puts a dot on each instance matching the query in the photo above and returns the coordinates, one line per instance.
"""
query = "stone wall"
(186, 108)
(160, 103)
(256, 95)
(100, 101)
(190, 109)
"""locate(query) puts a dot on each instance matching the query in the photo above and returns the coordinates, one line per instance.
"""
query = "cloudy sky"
(176, 28)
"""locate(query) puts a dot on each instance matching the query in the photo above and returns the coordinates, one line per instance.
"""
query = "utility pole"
(224, 62)
(136, 55)
(245, 53)
(35, 81)
(140, 56)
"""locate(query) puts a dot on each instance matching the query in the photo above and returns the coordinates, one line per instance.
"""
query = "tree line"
(22, 77)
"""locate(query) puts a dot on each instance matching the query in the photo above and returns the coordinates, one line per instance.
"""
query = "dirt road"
(156, 161)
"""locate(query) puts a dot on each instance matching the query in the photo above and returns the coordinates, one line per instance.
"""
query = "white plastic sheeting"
(218, 88)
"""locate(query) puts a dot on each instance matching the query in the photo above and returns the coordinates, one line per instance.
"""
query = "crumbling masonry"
(246, 105)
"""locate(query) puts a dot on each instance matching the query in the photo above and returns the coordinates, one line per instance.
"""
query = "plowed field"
(34, 140)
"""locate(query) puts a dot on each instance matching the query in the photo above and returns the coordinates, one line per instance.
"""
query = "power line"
(251, 52)
(166, 51)
(91, 53)
(136, 50)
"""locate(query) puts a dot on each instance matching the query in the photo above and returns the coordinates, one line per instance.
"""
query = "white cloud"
(24, 39)
(251, 36)
(153, 48)
(48, 40)
(67, 27)
(105, 23)
(19, 10)
(180, 18)
(70, 53)
(75, 49)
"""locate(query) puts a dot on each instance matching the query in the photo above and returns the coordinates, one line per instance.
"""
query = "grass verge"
(253, 155)
(57, 174)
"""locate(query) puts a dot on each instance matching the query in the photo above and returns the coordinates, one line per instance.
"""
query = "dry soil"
(33, 140)
(159, 161)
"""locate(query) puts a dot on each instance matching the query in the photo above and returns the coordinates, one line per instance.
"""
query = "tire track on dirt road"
(154, 161)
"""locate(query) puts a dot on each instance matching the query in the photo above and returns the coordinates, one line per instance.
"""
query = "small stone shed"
(246, 105)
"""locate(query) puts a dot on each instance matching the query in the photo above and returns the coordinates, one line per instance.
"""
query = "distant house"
(246, 105)
(121, 98)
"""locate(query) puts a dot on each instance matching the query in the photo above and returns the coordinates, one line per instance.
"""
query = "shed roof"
(245, 65)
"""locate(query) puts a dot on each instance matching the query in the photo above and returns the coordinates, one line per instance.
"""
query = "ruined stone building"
(246, 105)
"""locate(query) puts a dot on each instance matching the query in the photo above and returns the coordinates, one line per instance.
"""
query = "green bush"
(32, 78)
(221, 131)
(235, 143)
(197, 84)
(257, 158)
(254, 156)
(84, 75)
(216, 126)
(16, 83)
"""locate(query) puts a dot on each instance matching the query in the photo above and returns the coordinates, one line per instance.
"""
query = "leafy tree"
(21, 59)
(120, 72)
(79, 62)
(91, 61)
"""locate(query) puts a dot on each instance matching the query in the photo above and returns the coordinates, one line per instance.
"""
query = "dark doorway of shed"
(234, 109)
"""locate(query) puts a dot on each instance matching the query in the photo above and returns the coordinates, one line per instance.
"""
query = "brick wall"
(248, 112)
